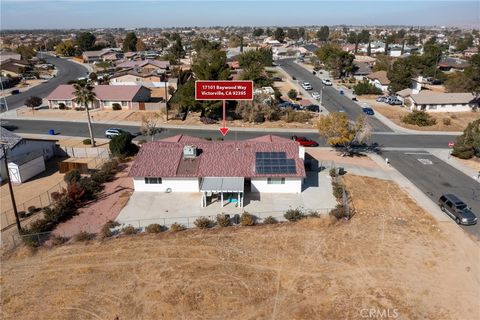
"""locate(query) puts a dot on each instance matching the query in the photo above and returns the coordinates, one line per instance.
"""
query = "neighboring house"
(7, 55)
(14, 68)
(379, 79)
(100, 55)
(362, 69)
(20, 149)
(152, 81)
(146, 65)
(442, 102)
(470, 52)
(267, 164)
(450, 64)
(128, 97)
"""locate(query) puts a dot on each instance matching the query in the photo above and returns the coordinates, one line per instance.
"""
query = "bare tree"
(149, 125)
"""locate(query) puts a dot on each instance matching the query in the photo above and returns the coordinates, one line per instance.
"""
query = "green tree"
(26, 52)
(85, 41)
(468, 144)
(177, 48)
(122, 146)
(130, 42)
(292, 94)
(33, 102)
(84, 96)
(323, 33)
(293, 34)
(66, 48)
(279, 34)
(257, 32)
(140, 45)
(337, 61)
(365, 87)
(211, 65)
(110, 40)
(459, 82)
(184, 97)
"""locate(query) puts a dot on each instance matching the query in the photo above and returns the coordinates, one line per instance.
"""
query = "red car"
(305, 142)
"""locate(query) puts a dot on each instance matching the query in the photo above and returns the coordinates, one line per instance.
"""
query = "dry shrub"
(83, 236)
(203, 223)
(293, 215)
(154, 228)
(247, 219)
(447, 121)
(223, 220)
(129, 230)
(58, 240)
(175, 227)
(270, 220)
(339, 212)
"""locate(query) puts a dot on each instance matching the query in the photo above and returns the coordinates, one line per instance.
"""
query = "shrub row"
(419, 118)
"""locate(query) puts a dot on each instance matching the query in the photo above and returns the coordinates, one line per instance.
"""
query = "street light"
(10, 188)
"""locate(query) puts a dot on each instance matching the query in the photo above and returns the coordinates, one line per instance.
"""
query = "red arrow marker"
(224, 129)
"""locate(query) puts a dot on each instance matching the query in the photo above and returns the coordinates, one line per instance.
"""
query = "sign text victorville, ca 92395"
(223, 90)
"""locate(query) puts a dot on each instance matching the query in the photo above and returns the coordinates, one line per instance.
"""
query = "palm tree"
(84, 95)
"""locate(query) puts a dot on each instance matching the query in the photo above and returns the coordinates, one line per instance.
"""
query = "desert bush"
(339, 212)
(128, 230)
(313, 214)
(247, 219)
(366, 88)
(292, 94)
(270, 220)
(297, 116)
(175, 227)
(110, 167)
(116, 107)
(112, 224)
(453, 116)
(105, 232)
(83, 236)
(62, 106)
(38, 226)
(58, 240)
(31, 210)
(154, 228)
(22, 214)
(419, 118)
(122, 146)
(337, 190)
(447, 121)
(463, 152)
(87, 141)
(203, 223)
(332, 172)
(90, 187)
(72, 176)
(223, 220)
(293, 214)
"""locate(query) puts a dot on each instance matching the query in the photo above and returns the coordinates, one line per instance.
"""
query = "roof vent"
(189, 152)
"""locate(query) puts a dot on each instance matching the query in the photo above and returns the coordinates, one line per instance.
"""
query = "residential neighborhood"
(213, 160)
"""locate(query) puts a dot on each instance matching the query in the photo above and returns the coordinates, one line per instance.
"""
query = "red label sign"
(451, 144)
(223, 90)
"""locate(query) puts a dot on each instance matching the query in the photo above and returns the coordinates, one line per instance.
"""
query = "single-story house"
(7, 55)
(134, 75)
(468, 53)
(379, 79)
(132, 97)
(443, 102)
(450, 64)
(14, 68)
(98, 55)
(20, 149)
(362, 69)
(267, 164)
(145, 65)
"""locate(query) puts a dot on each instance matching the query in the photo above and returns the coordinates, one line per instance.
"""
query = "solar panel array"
(274, 163)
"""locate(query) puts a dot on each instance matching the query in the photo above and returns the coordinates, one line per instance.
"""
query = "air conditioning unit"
(189, 152)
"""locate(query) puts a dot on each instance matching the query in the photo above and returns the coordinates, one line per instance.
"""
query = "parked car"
(316, 95)
(312, 107)
(307, 86)
(394, 101)
(15, 91)
(327, 82)
(112, 132)
(382, 99)
(305, 142)
(457, 209)
(368, 111)
(354, 99)
(287, 104)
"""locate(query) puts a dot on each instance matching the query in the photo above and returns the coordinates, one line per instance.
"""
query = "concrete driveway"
(145, 208)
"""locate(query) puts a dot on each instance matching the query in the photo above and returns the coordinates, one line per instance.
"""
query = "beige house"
(442, 102)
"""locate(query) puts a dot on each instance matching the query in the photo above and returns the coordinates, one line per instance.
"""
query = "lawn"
(391, 256)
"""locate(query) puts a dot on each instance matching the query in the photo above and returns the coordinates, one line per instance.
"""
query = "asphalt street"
(66, 71)
(435, 177)
(80, 129)
(332, 100)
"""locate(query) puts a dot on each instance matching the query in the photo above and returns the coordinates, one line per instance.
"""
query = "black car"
(15, 91)
(457, 209)
(312, 107)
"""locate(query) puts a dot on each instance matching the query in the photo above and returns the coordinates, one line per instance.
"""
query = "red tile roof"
(164, 158)
(102, 92)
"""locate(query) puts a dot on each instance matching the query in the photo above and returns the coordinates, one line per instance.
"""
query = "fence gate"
(64, 167)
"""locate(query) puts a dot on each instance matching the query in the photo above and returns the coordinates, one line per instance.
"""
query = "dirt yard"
(459, 120)
(473, 163)
(392, 257)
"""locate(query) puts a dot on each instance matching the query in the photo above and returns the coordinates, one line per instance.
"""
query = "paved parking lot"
(435, 177)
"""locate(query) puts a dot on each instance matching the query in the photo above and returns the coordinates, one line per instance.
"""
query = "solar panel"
(274, 163)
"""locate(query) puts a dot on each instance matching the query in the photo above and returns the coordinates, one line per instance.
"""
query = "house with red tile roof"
(131, 97)
(267, 164)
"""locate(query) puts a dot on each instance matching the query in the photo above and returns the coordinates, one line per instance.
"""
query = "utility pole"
(166, 96)
(10, 188)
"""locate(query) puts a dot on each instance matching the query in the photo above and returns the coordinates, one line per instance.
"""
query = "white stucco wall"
(292, 185)
(445, 107)
(176, 184)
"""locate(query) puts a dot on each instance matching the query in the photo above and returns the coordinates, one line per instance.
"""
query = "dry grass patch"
(390, 255)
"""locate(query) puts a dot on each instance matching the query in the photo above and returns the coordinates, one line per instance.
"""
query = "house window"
(275, 180)
(153, 180)
(433, 107)
(124, 103)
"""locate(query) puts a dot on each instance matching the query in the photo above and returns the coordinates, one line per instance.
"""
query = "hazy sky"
(21, 14)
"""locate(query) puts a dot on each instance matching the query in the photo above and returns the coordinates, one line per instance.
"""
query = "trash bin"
(51, 132)
(341, 92)
(341, 171)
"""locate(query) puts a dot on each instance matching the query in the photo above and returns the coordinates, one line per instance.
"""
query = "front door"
(141, 106)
